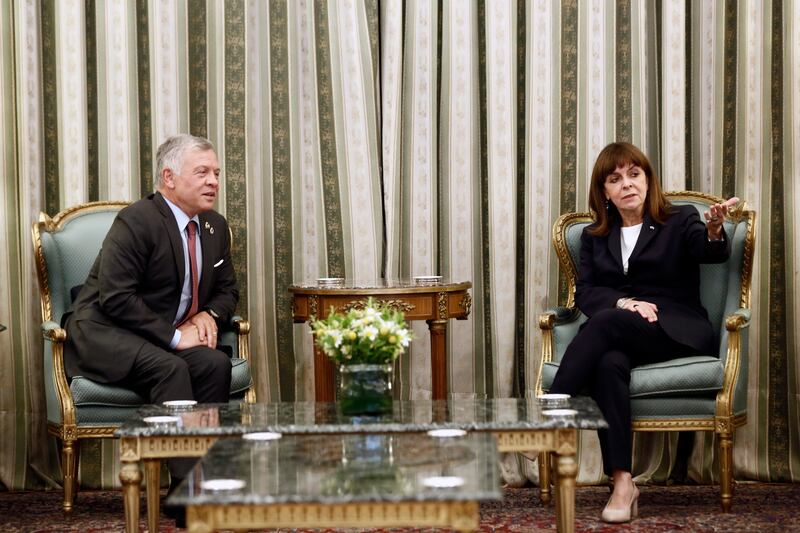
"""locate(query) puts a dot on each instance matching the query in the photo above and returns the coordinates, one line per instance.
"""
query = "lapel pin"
(211, 230)
(651, 227)
(207, 224)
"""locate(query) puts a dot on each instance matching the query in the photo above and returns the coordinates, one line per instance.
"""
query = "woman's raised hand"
(715, 216)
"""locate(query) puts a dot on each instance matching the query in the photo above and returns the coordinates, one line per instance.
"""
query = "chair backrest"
(66, 247)
(730, 279)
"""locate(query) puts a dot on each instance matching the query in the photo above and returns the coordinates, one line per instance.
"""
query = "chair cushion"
(86, 392)
(100, 403)
(697, 375)
(241, 379)
(674, 408)
(102, 415)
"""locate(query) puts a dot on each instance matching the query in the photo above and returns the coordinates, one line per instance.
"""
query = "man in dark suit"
(147, 318)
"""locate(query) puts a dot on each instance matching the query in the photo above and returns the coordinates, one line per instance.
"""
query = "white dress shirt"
(186, 291)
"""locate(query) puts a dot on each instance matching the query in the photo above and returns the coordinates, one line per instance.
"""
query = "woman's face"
(626, 188)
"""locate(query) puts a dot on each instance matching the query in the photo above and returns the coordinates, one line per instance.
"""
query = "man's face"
(195, 187)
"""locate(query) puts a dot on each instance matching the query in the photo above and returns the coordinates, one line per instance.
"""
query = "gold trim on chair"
(564, 258)
(53, 225)
(737, 214)
(67, 430)
(243, 331)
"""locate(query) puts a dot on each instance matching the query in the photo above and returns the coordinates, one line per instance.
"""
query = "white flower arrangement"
(375, 334)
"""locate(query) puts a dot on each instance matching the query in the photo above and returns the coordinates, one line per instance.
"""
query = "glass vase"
(365, 389)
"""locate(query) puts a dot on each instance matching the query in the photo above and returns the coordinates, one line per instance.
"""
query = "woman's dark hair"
(610, 158)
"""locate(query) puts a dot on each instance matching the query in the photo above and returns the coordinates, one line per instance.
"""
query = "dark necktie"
(191, 230)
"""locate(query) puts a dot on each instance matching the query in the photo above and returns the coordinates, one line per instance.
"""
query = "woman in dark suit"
(638, 282)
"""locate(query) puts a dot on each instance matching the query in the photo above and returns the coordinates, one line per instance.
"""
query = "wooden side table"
(435, 304)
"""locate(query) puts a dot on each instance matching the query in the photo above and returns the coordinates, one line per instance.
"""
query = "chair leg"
(544, 477)
(70, 450)
(726, 470)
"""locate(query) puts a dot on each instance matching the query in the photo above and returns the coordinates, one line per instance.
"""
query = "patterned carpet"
(758, 508)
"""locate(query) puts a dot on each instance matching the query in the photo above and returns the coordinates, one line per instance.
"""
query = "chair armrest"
(53, 332)
(737, 320)
(557, 316)
(559, 325)
(242, 328)
(240, 325)
(548, 321)
(733, 396)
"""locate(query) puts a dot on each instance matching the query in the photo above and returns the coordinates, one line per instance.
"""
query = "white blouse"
(630, 234)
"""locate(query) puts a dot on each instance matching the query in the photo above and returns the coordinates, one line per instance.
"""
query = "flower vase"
(365, 389)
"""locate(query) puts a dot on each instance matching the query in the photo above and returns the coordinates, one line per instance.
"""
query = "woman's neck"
(631, 219)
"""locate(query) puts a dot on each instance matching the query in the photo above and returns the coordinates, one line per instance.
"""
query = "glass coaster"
(553, 399)
(262, 436)
(446, 433)
(563, 413)
(162, 420)
(217, 485)
(443, 482)
(427, 280)
(330, 282)
(179, 404)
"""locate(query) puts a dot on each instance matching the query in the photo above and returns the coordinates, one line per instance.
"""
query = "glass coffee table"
(353, 480)
(518, 425)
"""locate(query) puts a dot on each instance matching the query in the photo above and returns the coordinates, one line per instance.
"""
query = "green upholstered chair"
(701, 393)
(65, 249)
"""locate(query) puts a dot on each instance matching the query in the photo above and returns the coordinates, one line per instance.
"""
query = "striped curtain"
(369, 138)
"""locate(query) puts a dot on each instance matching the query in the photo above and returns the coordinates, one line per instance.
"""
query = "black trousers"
(599, 360)
(199, 373)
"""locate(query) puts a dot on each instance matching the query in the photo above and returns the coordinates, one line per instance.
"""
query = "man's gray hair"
(172, 151)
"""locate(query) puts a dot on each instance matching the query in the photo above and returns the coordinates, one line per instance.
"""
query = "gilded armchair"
(701, 393)
(65, 247)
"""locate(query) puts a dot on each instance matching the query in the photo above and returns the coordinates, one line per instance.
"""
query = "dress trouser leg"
(199, 373)
(600, 358)
(611, 391)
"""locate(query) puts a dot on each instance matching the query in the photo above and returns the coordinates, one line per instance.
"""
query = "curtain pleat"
(402, 138)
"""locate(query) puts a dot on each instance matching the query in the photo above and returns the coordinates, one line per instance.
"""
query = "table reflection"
(202, 417)
(343, 468)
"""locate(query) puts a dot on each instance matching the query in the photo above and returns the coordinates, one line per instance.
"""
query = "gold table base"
(562, 443)
(460, 516)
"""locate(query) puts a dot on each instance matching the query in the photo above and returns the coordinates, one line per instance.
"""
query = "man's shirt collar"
(181, 217)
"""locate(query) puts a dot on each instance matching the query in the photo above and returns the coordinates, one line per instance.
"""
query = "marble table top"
(415, 416)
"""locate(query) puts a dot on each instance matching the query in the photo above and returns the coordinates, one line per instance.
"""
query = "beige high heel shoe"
(619, 516)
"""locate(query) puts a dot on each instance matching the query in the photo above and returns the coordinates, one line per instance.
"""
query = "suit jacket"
(664, 269)
(133, 290)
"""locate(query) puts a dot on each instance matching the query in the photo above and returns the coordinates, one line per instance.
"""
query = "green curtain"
(393, 138)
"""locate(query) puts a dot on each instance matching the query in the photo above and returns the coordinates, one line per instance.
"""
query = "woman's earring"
(606, 204)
